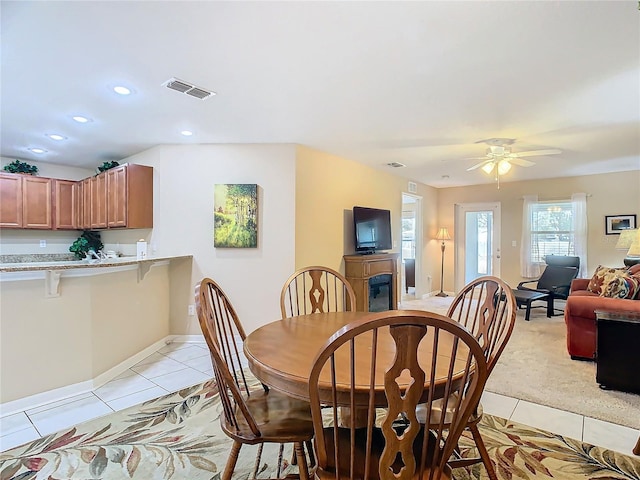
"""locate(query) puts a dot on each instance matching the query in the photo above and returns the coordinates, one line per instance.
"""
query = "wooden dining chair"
(487, 308)
(348, 372)
(316, 289)
(253, 416)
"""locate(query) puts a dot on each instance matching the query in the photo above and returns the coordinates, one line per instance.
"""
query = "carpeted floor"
(535, 366)
(178, 436)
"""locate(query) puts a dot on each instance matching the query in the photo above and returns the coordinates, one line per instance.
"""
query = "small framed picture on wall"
(614, 224)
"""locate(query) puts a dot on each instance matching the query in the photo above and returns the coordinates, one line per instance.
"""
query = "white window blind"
(552, 230)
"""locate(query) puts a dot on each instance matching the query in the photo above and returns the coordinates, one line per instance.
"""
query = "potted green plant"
(21, 167)
(107, 166)
(87, 241)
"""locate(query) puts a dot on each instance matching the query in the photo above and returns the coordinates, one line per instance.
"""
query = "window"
(408, 234)
(552, 230)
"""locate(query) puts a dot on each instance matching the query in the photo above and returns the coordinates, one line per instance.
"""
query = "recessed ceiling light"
(186, 133)
(55, 136)
(37, 150)
(120, 90)
(81, 119)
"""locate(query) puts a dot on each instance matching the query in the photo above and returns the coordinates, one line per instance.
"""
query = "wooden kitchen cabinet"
(10, 200)
(130, 196)
(99, 201)
(84, 207)
(121, 197)
(66, 205)
(36, 202)
(26, 201)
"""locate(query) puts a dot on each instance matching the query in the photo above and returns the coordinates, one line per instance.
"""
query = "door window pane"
(479, 244)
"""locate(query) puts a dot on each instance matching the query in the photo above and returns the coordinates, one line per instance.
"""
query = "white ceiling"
(376, 82)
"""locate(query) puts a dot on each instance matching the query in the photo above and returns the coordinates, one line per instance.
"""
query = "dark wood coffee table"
(525, 297)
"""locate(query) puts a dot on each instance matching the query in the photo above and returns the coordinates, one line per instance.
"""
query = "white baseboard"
(33, 401)
(185, 339)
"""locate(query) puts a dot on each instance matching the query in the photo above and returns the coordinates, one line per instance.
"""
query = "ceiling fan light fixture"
(488, 167)
(503, 167)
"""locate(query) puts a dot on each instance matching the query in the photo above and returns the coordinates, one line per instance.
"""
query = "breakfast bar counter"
(68, 326)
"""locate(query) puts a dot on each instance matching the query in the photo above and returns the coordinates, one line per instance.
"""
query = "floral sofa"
(609, 289)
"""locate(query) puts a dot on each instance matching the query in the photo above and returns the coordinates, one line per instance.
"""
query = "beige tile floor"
(179, 365)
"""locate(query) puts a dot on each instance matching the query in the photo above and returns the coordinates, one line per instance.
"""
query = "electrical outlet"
(192, 309)
(43, 243)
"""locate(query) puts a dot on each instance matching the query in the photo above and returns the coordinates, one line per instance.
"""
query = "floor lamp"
(443, 234)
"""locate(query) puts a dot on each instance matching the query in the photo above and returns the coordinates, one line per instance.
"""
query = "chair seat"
(378, 443)
(280, 418)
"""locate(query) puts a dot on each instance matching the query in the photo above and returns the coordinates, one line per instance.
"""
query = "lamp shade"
(443, 234)
(626, 238)
(634, 248)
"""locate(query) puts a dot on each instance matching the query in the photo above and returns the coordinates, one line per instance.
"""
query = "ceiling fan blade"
(551, 151)
(477, 165)
(521, 162)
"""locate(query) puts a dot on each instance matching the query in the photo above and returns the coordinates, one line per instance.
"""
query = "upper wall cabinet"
(130, 196)
(66, 204)
(121, 197)
(25, 201)
(99, 201)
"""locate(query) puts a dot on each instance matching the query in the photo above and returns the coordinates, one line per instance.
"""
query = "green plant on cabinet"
(21, 167)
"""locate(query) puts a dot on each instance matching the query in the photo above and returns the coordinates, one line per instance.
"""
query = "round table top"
(281, 354)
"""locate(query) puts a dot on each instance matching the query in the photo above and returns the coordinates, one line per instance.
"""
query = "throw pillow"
(621, 285)
(601, 277)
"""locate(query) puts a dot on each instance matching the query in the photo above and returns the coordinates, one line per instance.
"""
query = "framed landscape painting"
(614, 224)
(235, 222)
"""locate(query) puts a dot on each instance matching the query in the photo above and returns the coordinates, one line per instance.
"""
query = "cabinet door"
(36, 202)
(10, 200)
(65, 205)
(99, 201)
(117, 193)
(85, 212)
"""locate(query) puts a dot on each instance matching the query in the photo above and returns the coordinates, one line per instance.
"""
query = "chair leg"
(280, 452)
(231, 461)
(303, 468)
(484, 454)
(312, 459)
(312, 456)
(256, 465)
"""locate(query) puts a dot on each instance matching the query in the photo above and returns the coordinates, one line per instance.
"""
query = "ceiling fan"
(500, 157)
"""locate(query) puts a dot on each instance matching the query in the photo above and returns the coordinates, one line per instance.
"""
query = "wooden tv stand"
(362, 270)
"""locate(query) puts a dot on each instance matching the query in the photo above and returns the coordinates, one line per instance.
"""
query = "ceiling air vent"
(188, 88)
(396, 165)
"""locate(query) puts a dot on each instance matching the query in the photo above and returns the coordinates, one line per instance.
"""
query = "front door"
(477, 242)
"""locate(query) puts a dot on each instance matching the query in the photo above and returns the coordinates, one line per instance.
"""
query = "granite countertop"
(28, 263)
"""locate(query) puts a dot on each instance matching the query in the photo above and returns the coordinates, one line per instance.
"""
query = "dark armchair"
(555, 279)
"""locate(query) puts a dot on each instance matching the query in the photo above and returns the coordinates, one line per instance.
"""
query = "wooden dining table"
(281, 354)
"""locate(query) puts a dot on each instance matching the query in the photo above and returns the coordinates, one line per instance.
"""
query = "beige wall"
(184, 180)
(327, 189)
(609, 194)
(97, 322)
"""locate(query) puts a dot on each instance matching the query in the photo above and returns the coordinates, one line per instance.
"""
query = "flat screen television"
(372, 227)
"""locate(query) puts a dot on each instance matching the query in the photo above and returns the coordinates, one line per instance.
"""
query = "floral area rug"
(178, 436)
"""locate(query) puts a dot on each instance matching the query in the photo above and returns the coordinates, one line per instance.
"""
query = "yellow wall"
(610, 194)
(327, 189)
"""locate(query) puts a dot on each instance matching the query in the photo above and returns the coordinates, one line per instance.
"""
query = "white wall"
(184, 179)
